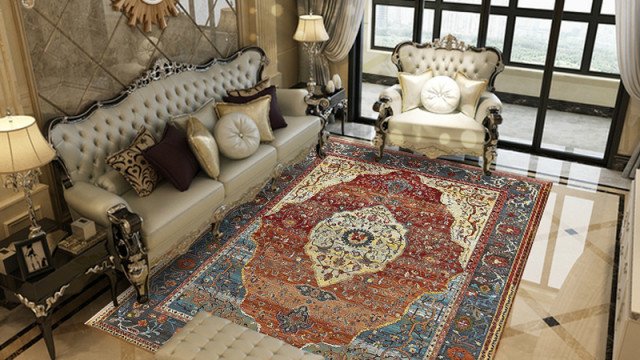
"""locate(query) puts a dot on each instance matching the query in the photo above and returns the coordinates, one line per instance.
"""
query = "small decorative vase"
(337, 81)
(330, 87)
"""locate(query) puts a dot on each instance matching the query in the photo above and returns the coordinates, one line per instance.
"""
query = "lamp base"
(26, 181)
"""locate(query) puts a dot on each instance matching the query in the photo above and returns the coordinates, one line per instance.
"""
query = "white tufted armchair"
(434, 134)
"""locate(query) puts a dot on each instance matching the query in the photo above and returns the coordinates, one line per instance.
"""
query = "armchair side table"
(42, 293)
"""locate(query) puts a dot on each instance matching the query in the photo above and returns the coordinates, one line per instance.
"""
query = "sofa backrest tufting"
(447, 57)
(83, 142)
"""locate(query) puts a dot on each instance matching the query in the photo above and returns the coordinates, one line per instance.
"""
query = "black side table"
(42, 293)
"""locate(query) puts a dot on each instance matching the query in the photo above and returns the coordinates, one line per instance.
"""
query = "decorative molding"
(41, 310)
(147, 12)
(108, 263)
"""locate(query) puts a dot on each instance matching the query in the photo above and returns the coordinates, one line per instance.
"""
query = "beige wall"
(286, 13)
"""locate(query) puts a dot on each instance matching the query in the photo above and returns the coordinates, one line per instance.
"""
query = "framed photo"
(33, 256)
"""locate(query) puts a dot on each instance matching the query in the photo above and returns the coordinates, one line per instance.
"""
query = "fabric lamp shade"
(22, 146)
(310, 29)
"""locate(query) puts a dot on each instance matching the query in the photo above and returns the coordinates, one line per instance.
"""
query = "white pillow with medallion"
(440, 95)
(237, 135)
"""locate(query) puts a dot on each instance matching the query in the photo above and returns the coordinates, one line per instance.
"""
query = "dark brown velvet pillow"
(275, 115)
(173, 159)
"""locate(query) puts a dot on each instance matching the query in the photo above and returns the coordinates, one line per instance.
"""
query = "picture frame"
(34, 257)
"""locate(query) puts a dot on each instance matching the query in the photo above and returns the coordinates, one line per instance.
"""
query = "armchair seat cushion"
(455, 129)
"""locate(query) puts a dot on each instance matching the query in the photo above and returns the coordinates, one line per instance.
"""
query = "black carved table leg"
(44, 322)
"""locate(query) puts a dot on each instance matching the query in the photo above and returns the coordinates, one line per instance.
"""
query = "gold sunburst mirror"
(147, 12)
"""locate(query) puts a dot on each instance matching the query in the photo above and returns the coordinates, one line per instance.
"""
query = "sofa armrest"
(488, 101)
(392, 98)
(92, 202)
(292, 102)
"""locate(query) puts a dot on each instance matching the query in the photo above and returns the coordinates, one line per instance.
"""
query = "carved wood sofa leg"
(126, 228)
(216, 221)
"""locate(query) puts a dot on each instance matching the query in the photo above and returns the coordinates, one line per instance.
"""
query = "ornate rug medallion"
(409, 258)
(355, 242)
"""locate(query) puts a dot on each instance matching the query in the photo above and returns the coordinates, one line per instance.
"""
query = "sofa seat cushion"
(241, 176)
(455, 128)
(167, 209)
(301, 133)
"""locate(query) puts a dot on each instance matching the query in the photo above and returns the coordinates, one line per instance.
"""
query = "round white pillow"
(237, 135)
(440, 95)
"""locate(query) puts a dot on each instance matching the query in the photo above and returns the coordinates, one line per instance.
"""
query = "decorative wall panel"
(83, 51)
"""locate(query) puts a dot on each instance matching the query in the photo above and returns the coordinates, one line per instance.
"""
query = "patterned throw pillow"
(252, 90)
(257, 110)
(133, 166)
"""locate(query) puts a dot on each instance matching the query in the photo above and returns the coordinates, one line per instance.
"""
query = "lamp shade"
(310, 29)
(22, 146)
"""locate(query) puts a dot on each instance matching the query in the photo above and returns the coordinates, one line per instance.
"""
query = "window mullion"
(418, 10)
(484, 23)
(590, 42)
(437, 19)
(508, 34)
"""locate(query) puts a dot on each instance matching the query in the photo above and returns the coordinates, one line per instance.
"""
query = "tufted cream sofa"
(440, 134)
(173, 219)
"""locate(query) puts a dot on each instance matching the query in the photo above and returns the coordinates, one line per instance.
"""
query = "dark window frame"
(593, 19)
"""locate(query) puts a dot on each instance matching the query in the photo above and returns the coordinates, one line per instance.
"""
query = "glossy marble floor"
(561, 310)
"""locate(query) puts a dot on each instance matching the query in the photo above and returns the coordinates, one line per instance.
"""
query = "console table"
(627, 315)
(42, 293)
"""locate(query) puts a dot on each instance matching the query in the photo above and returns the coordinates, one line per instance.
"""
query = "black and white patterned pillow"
(134, 167)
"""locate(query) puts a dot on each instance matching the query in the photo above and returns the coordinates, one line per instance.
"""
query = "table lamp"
(310, 33)
(23, 150)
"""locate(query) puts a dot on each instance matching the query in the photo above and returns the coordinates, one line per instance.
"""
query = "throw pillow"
(204, 147)
(237, 135)
(113, 182)
(173, 159)
(257, 110)
(131, 164)
(252, 90)
(440, 95)
(206, 114)
(470, 91)
(411, 86)
(275, 114)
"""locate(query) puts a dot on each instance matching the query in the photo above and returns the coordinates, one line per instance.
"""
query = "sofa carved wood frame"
(491, 119)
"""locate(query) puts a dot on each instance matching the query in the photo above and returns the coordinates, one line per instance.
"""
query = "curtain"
(628, 44)
(342, 20)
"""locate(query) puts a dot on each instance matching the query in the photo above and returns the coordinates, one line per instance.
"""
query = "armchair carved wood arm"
(432, 134)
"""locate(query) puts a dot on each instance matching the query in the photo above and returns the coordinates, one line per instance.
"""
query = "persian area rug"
(352, 259)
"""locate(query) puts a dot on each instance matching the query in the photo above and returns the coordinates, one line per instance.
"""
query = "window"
(428, 18)
(583, 6)
(571, 44)
(530, 40)
(537, 4)
(393, 25)
(608, 7)
(463, 25)
(496, 31)
(605, 58)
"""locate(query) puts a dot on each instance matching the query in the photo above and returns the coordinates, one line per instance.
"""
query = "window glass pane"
(478, 2)
(605, 57)
(537, 4)
(427, 25)
(394, 24)
(530, 40)
(571, 44)
(462, 25)
(578, 5)
(497, 28)
(499, 2)
(608, 7)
